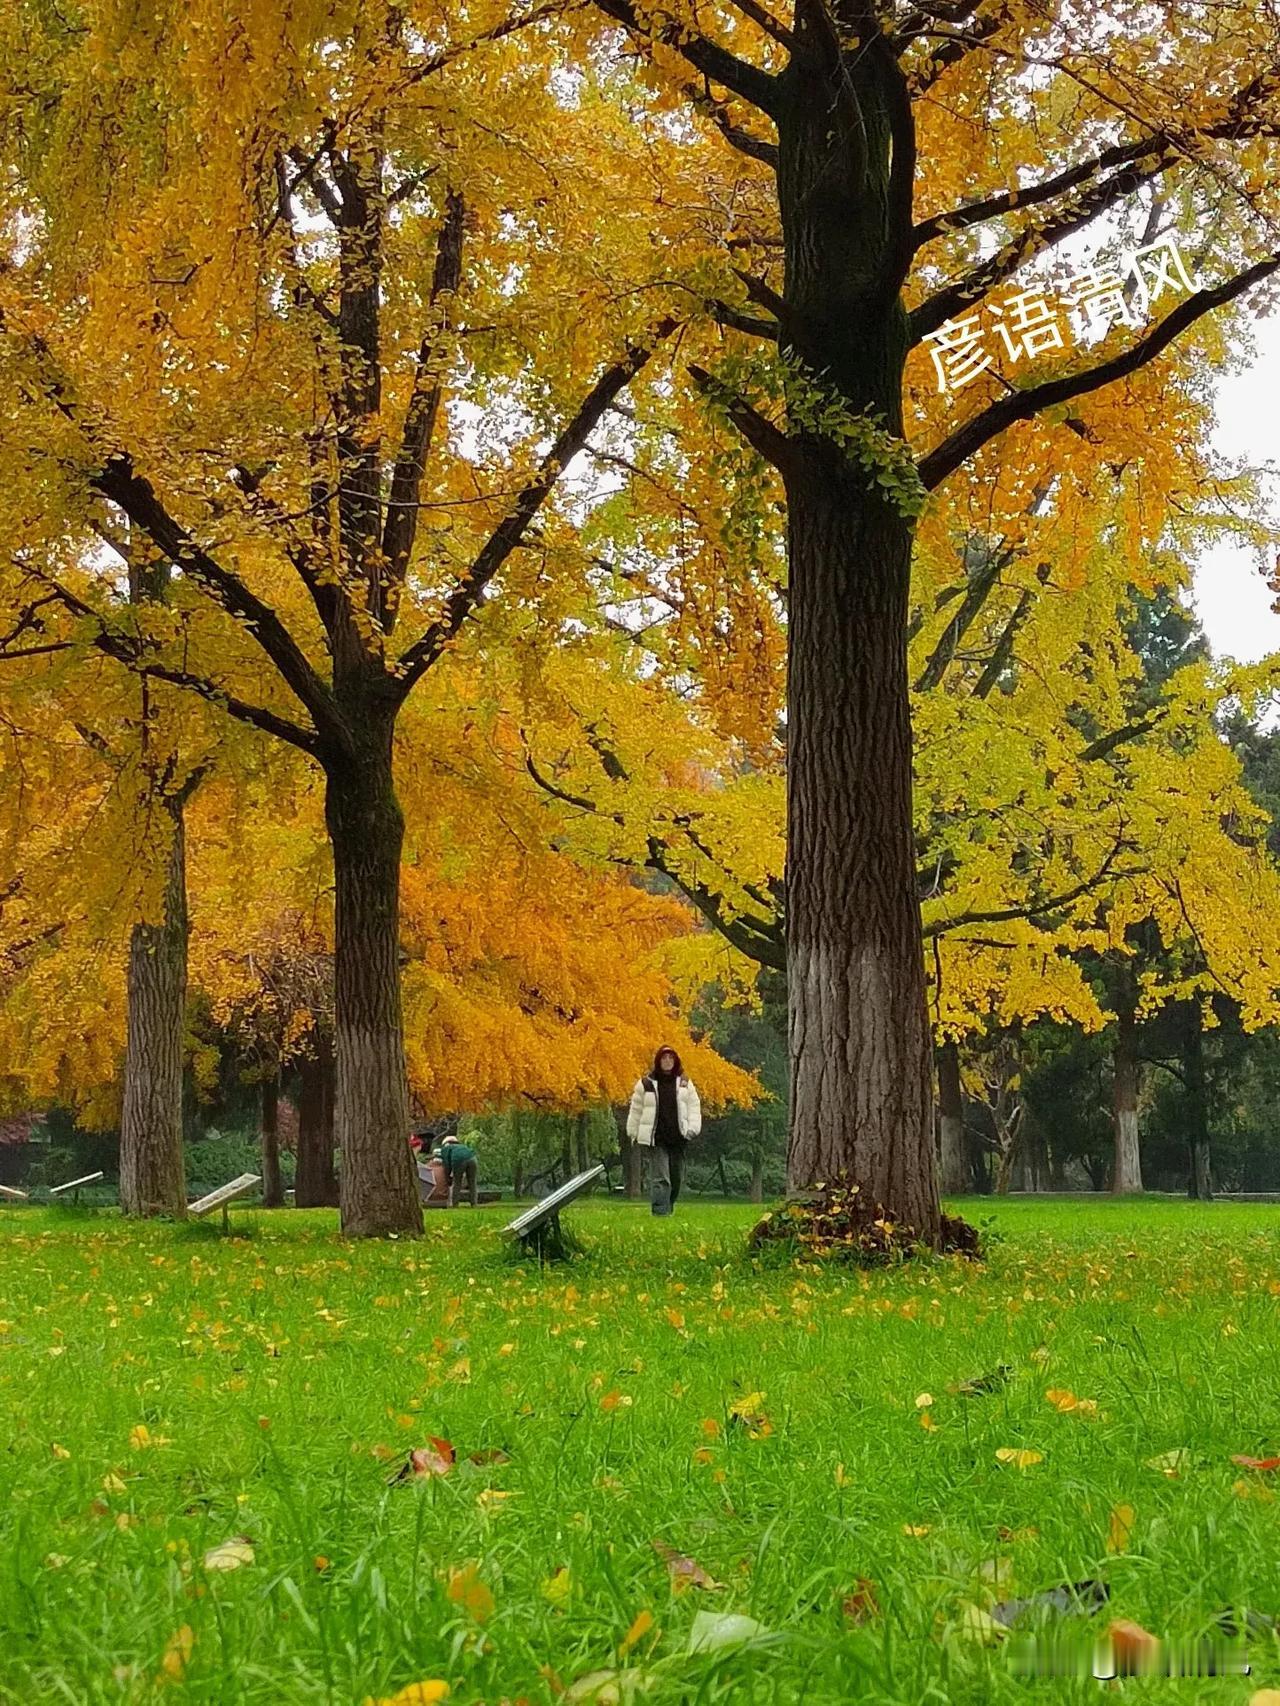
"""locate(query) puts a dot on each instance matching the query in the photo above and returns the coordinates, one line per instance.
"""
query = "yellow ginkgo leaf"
(1119, 1528)
(557, 1589)
(231, 1555)
(1018, 1458)
(474, 1596)
(640, 1627)
(1171, 1463)
(177, 1652)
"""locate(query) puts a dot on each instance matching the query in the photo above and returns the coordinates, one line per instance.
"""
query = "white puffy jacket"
(643, 1114)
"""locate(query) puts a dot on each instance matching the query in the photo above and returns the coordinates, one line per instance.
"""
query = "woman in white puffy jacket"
(665, 1113)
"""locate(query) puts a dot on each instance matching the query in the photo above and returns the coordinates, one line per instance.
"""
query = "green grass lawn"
(166, 1390)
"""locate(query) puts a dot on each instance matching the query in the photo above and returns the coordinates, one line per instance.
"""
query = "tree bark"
(378, 1190)
(724, 1183)
(1201, 1186)
(957, 1174)
(1126, 1176)
(580, 1137)
(757, 1177)
(861, 1052)
(316, 1182)
(627, 1150)
(152, 1174)
(272, 1184)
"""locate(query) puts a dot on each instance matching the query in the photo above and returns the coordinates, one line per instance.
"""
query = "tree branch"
(118, 481)
(1031, 241)
(509, 533)
(713, 61)
(125, 650)
(760, 434)
(401, 526)
(1036, 909)
(968, 439)
(745, 141)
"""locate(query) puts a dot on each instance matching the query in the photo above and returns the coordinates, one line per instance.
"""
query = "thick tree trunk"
(272, 1184)
(757, 1177)
(152, 1177)
(378, 1187)
(1126, 1175)
(861, 1053)
(580, 1139)
(1057, 1169)
(956, 1172)
(566, 1156)
(315, 1181)
(1197, 1104)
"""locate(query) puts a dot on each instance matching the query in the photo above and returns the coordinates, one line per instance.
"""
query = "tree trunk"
(581, 1124)
(628, 1151)
(1126, 1176)
(566, 1155)
(378, 1188)
(957, 1174)
(861, 1053)
(152, 1176)
(315, 1182)
(1057, 1169)
(1197, 1104)
(272, 1185)
(757, 1177)
(1004, 1168)
(724, 1183)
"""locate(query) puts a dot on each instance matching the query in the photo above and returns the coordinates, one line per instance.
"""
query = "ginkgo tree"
(303, 298)
(893, 169)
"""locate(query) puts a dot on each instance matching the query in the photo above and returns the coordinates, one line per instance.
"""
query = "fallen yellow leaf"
(177, 1653)
(467, 1590)
(231, 1555)
(640, 1627)
(1119, 1528)
(558, 1588)
(1019, 1459)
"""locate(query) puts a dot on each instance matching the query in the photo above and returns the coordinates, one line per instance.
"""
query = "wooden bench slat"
(533, 1217)
(224, 1194)
(88, 1179)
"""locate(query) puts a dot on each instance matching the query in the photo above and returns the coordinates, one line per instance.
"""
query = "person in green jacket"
(460, 1167)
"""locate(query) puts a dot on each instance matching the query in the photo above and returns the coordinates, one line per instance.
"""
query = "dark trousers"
(666, 1174)
(466, 1172)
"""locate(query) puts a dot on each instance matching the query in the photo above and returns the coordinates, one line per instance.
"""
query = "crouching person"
(460, 1169)
(665, 1114)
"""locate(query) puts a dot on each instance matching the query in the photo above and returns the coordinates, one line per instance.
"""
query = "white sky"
(1231, 597)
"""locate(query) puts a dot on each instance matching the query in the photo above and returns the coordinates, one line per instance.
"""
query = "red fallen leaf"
(861, 1605)
(434, 1458)
(684, 1572)
(1263, 1463)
